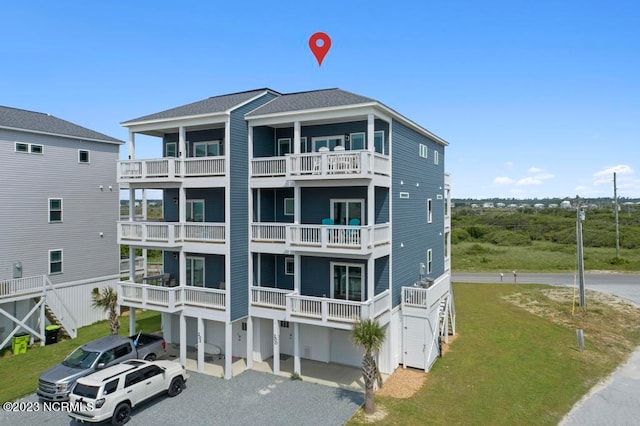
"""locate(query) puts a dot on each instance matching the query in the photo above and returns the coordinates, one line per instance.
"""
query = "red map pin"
(320, 43)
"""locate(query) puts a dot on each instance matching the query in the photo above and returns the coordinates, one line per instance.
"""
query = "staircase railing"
(60, 310)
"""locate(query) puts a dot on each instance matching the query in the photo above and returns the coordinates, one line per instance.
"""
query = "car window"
(133, 378)
(123, 350)
(86, 390)
(107, 357)
(110, 387)
(80, 358)
(150, 371)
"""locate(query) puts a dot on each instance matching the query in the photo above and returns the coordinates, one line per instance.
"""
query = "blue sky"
(537, 99)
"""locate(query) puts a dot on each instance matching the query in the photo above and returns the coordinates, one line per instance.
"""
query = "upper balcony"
(336, 239)
(171, 170)
(173, 234)
(290, 306)
(358, 164)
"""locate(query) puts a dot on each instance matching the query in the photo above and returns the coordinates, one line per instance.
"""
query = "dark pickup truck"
(56, 383)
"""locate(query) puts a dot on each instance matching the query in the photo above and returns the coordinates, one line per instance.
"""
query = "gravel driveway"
(251, 398)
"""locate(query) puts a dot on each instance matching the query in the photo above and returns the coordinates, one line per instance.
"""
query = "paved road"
(617, 400)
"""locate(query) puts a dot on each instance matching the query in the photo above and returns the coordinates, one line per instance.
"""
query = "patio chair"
(328, 221)
(353, 235)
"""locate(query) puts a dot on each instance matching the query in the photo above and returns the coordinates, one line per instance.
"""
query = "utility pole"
(615, 206)
(579, 219)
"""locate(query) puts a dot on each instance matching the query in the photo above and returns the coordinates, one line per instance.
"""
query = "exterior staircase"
(447, 317)
(53, 319)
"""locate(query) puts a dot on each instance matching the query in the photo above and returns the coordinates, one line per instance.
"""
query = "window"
(195, 210)
(195, 271)
(346, 281)
(289, 266)
(29, 147)
(327, 141)
(347, 212)
(206, 149)
(284, 324)
(133, 378)
(357, 140)
(429, 261)
(83, 156)
(55, 210)
(22, 147)
(435, 157)
(284, 146)
(404, 195)
(424, 152)
(379, 143)
(36, 149)
(303, 144)
(110, 387)
(122, 350)
(289, 206)
(244, 326)
(170, 149)
(55, 261)
(151, 371)
(429, 210)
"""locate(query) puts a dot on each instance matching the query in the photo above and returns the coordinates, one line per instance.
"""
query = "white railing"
(342, 236)
(271, 297)
(19, 286)
(271, 232)
(381, 234)
(325, 309)
(171, 232)
(344, 310)
(381, 165)
(306, 306)
(425, 297)
(269, 166)
(125, 267)
(381, 303)
(172, 298)
(170, 168)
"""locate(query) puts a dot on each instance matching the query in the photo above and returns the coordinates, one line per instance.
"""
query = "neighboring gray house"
(287, 217)
(59, 205)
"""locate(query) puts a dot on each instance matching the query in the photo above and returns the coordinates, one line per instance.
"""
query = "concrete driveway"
(252, 398)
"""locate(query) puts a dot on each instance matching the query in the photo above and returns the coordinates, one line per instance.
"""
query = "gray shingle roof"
(205, 106)
(326, 98)
(46, 123)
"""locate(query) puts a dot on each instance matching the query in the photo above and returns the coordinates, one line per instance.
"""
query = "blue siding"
(238, 193)
(196, 136)
(263, 142)
(382, 204)
(409, 216)
(382, 274)
(315, 279)
(272, 204)
(213, 203)
(316, 202)
(272, 271)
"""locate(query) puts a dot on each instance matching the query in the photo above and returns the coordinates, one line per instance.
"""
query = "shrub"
(458, 235)
(509, 238)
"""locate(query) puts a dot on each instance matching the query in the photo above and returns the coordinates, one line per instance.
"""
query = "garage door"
(343, 351)
(415, 342)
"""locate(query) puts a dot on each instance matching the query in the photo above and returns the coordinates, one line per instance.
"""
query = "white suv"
(112, 392)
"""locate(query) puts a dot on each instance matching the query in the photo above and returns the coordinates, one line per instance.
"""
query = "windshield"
(80, 359)
(86, 391)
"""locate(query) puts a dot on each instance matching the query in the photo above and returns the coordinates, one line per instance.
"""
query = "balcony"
(170, 234)
(322, 238)
(318, 310)
(169, 169)
(359, 164)
(170, 299)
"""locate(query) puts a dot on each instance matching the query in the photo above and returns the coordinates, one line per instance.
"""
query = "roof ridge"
(244, 91)
(27, 110)
(311, 91)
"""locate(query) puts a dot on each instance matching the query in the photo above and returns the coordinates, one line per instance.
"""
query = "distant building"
(553, 206)
(487, 205)
(500, 205)
(538, 206)
(566, 204)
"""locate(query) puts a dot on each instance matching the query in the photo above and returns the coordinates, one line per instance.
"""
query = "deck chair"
(353, 234)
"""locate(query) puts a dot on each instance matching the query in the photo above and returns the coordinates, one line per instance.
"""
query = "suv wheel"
(176, 386)
(121, 414)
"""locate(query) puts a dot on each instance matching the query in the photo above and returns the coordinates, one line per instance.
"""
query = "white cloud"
(534, 170)
(509, 164)
(528, 181)
(544, 176)
(503, 180)
(605, 177)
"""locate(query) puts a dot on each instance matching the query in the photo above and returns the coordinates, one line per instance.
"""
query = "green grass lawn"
(540, 256)
(19, 373)
(511, 366)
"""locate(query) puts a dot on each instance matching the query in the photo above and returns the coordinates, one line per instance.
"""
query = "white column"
(42, 322)
(132, 264)
(249, 342)
(132, 321)
(250, 149)
(296, 348)
(182, 143)
(182, 204)
(371, 279)
(132, 145)
(276, 347)
(144, 204)
(296, 137)
(259, 270)
(228, 351)
(201, 345)
(183, 340)
(297, 204)
(182, 268)
(371, 128)
(297, 272)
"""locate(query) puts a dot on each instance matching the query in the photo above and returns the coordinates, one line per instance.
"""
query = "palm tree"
(107, 300)
(369, 335)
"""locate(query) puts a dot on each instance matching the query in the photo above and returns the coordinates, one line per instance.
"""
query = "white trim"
(429, 210)
(191, 202)
(49, 211)
(383, 144)
(436, 157)
(288, 140)
(31, 145)
(216, 142)
(289, 260)
(204, 268)
(303, 140)
(285, 207)
(61, 262)
(348, 265)
(364, 140)
(404, 195)
(429, 261)
(88, 156)
(175, 148)
(15, 147)
(423, 151)
(333, 201)
(327, 138)
(61, 135)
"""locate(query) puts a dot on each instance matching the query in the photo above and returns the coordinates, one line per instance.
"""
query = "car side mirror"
(100, 365)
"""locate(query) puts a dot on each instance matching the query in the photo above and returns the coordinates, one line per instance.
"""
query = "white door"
(286, 337)
(343, 351)
(415, 342)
